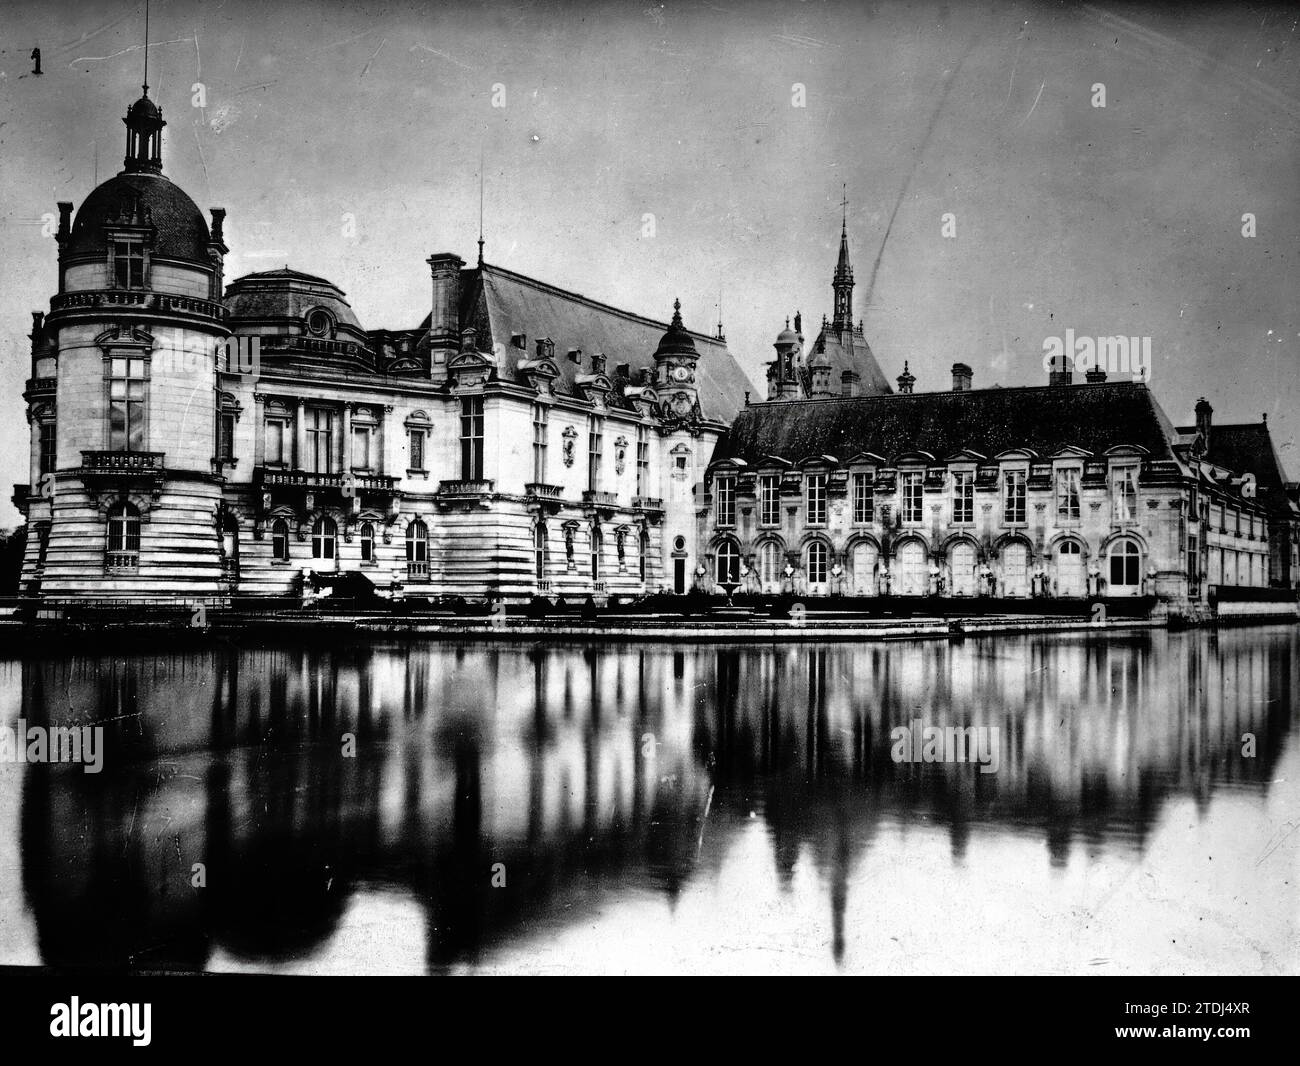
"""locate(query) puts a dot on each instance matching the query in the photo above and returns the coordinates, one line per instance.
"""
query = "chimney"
(218, 224)
(444, 316)
(598, 363)
(961, 376)
(849, 383)
(1203, 413)
(38, 322)
(1062, 371)
(520, 341)
(575, 356)
(65, 221)
(1094, 375)
(798, 324)
(906, 380)
(623, 371)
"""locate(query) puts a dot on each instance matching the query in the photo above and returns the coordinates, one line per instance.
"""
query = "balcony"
(118, 471)
(417, 571)
(133, 299)
(647, 503)
(270, 477)
(541, 491)
(121, 562)
(471, 487)
(40, 387)
(123, 463)
(596, 498)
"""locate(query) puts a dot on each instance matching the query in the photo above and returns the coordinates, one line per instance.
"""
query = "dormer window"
(128, 264)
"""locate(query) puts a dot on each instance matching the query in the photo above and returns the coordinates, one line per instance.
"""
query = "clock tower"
(675, 361)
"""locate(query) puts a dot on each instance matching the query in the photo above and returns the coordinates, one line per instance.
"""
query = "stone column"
(300, 437)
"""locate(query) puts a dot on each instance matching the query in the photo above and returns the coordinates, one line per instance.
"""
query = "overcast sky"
(1125, 219)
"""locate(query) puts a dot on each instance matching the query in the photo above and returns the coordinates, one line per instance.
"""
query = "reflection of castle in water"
(586, 771)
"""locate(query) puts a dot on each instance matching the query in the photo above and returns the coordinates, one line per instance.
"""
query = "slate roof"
(501, 303)
(1248, 448)
(1045, 419)
(286, 293)
(180, 231)
(850, 353)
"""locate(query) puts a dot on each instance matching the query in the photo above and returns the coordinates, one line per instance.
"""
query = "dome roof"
(288, 294)
(787, 336)
(144, 108)
(180, 231)
(677, 341)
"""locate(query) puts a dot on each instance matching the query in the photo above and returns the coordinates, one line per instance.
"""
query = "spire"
(144, 123)
(677, 314)
(480, 204)
(842, 284)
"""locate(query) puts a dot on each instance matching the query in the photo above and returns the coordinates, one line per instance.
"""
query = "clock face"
(681, 373)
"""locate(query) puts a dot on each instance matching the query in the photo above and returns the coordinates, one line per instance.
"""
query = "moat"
(426, 807)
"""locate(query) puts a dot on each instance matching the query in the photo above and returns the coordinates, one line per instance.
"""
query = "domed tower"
(675, 363)
(125, 488)
(783, 372)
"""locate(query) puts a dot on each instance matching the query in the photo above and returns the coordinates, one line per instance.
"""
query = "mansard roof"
(1248, 448)
(499, 304)
(1044, 419)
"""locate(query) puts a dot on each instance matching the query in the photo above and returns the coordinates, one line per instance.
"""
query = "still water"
(407, 808)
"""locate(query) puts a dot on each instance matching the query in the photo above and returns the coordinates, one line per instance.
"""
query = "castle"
(195, 441)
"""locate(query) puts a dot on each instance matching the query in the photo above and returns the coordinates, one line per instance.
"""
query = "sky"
(649, 151)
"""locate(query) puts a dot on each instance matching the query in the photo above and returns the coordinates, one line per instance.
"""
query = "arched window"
(818, 562)
(728, 563)
(1015, 570)
(280, 540)
(1070, 578)
(123, 537)
(417, 550)
(961, 559)
(770, 564)
(323, 535)
(367, 542)
(417, 542)
(539, 550)
(863, 563)
(910, 573)
(1125, 577)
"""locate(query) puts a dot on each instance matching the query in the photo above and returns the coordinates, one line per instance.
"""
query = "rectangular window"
(277, 436)
(320, 441)
(128, 380)
(1013, 499)
(128, 264)
(1125, 490)
(963, 496)
(226, 437)
(912, 496)
(642, 460)
(769, 500)
(471, 438)
(47, 446)
(1067, 493)
(416, 443)
(363, 440)
(595, 445)
(1193, 561)
(815, 499)
(725, 500)
(863, 499)
(541, 429)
